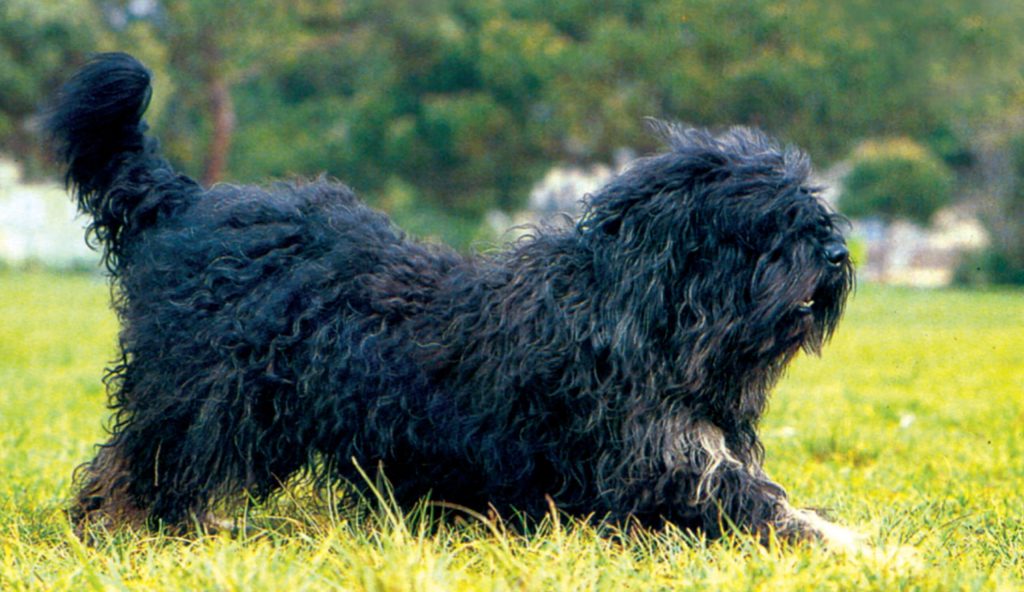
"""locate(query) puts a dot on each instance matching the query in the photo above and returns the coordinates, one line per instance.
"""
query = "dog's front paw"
(835, 537)
(851, 543)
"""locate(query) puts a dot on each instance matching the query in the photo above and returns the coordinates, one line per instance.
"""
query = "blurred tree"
(461, 104)
(210, 47)
(40, 44)
(896, 178)
(1002, 211)
(821, 74)
(437, 95)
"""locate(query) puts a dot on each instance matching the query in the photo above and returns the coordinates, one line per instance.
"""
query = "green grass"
(910, 428)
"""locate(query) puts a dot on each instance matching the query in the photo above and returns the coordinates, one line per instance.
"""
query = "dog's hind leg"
(130, 483)
(163, 470)
(103, 499)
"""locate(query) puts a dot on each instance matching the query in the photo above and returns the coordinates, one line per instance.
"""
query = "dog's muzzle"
(836, 253)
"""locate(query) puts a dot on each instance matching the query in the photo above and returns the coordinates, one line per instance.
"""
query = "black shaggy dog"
(619, 367)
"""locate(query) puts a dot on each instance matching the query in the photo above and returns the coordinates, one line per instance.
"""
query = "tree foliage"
(465, 103)
(39, 44)
(896, 178)
(1001, 262)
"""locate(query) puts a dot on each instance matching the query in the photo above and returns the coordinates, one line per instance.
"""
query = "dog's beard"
(798, 306)
(818, 313)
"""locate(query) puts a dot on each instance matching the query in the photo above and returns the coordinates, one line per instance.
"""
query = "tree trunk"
(222, 112)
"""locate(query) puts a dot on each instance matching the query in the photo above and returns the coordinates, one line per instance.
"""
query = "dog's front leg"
(732, 489)
(809, 524)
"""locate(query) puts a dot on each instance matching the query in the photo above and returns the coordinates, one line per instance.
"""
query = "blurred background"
(464, 117)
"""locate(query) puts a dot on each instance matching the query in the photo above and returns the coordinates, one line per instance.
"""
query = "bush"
(991, 266)
(1003, 215)
(858, 250)
(896, 178)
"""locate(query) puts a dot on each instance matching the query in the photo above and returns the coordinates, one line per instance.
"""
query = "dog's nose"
(836, 253)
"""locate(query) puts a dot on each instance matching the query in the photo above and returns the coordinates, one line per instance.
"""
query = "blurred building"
(906, 254)
(38, 224)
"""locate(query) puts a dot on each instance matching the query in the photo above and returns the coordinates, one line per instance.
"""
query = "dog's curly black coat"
(619, 366)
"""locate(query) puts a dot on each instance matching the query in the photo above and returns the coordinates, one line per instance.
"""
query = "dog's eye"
(611, 227)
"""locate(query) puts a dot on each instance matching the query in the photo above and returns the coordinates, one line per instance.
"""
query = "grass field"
(910, 427)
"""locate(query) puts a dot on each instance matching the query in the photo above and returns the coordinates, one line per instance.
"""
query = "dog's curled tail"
(95, 127)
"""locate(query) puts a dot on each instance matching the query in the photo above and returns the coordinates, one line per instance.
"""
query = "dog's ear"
(612, 226)
(699, 168)
(607, 211)
(665, 130)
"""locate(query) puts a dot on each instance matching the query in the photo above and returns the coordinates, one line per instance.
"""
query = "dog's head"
(725, 252)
